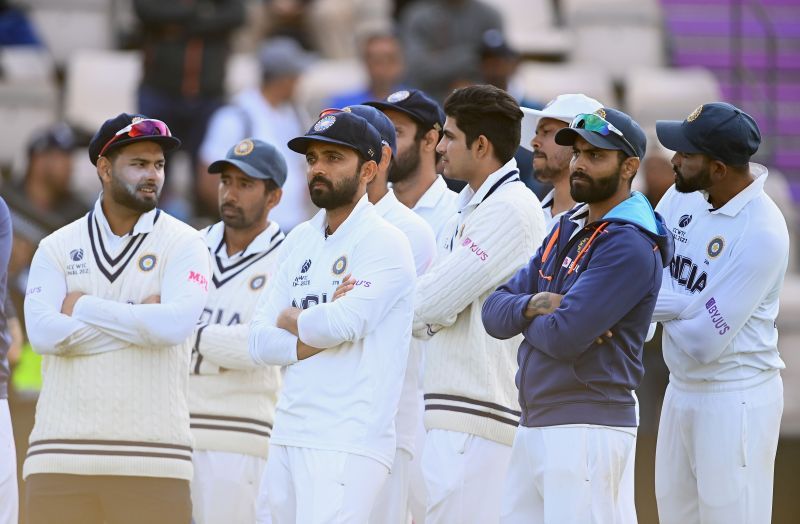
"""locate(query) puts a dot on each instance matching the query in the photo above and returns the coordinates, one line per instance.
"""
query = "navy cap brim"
(300, 144)
(567, 136)
(217, 167)
(670, 134)
(387, 105)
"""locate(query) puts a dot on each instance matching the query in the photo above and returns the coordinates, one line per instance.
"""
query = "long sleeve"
(269, 344)
(384, 267)
(599, 299)
(183, 296)
(51, 332)
(730, 299)
(670, 303)
(225, 346)
(482, 256)
(503, 312)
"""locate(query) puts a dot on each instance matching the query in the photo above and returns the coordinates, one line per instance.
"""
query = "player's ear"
(429, 140)
(104, 169)
(274, 197)
(369, 170)
(717, 170)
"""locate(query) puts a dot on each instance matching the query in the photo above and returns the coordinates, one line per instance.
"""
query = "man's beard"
(593, 190)
(335, 196)
(126, 195)
(700, 182)
(405, 164)
(238, 220)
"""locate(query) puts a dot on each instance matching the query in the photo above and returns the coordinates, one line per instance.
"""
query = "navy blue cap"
(416, 104)
(379, 121)
(633, 144)
(346, 129)
(494, 43)
(256, 159)
(719, 130)
(58, 137)
(108, 132)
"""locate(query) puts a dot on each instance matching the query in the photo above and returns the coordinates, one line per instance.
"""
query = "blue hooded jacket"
(610, 274)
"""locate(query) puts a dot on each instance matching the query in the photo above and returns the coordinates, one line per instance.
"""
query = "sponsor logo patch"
(306, 265)
(685, 220)
(199, 279)
(76, 255)
(716, 317)
(475, 248)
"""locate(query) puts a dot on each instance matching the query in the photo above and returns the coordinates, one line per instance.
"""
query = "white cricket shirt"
(437, 206)
(719, 297)
(346, 397)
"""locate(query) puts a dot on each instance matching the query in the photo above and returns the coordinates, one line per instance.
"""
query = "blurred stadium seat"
(26, 64)
(543, 82)
(73, 25)
(100, 83)
(326, 78)
(530, 27)
(25, 107)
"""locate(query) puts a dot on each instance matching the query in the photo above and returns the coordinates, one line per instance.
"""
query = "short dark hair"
(270, 185)
(489, 111)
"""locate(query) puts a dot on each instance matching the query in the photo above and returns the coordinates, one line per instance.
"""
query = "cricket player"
(231, 398)
(112, 301)
(721, 417)
(344, 361)
(600, 269)
(471, 404)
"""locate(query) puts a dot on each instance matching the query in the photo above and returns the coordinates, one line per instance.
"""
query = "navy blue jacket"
(610, 274)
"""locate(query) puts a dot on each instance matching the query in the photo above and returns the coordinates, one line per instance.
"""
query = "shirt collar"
(386, 203)
(263, 242)
(433, 195)
(470, 198)
(145, 224)
(756, 187)
(548, 199)
(320, 221)
(580, 214)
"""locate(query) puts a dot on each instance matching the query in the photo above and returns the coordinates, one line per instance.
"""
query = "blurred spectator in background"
(658, 173)
(289, 18)
(15, 28)
(442, 39)
(186, 48)
(269, 113)
(382, 54)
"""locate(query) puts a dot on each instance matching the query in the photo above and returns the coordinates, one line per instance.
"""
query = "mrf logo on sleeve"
(199, 279)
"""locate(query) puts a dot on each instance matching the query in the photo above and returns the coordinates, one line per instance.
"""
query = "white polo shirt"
(719, 297)
(437, 206)
(346, 397)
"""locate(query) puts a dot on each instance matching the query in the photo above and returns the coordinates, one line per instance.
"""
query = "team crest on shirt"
(76, 255)
(398, 96)
(694, 114)
(244, 148)
(257, 282)
(340, 265)
(147, 262)
(324, 123)
(715, 247)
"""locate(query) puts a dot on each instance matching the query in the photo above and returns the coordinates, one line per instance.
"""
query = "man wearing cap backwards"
(599, 270)
(471, 408)
(550, 160)
(418, 122)
(231, 398)
(718, 304)
(392, 503)
(344, 360)
(112, 301)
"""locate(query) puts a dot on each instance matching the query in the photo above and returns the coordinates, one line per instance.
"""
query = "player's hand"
(152, 299)
(605, 337)
(287, 319)
(68, 306)
(342, 289)
(542, 303)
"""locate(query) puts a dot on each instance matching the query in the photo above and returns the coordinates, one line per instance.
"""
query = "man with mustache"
(718, 304)
(111, 304)
(344, 361)
(550, 160)
(598, 270)
(231, 398)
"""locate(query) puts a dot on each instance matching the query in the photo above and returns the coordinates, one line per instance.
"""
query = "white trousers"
(391, 505)
(569, 474)
(417, 492)
(225, 486)
(9, 496)
(715, 454)
(311, 486)
(464, 477)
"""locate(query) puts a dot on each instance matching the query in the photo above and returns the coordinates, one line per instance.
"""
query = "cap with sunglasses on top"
(345, 129)
(256, 159)
(417, 105)
(563, 107)
(379, 121)
(126, 129)
(606, 128)
(719, 130)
